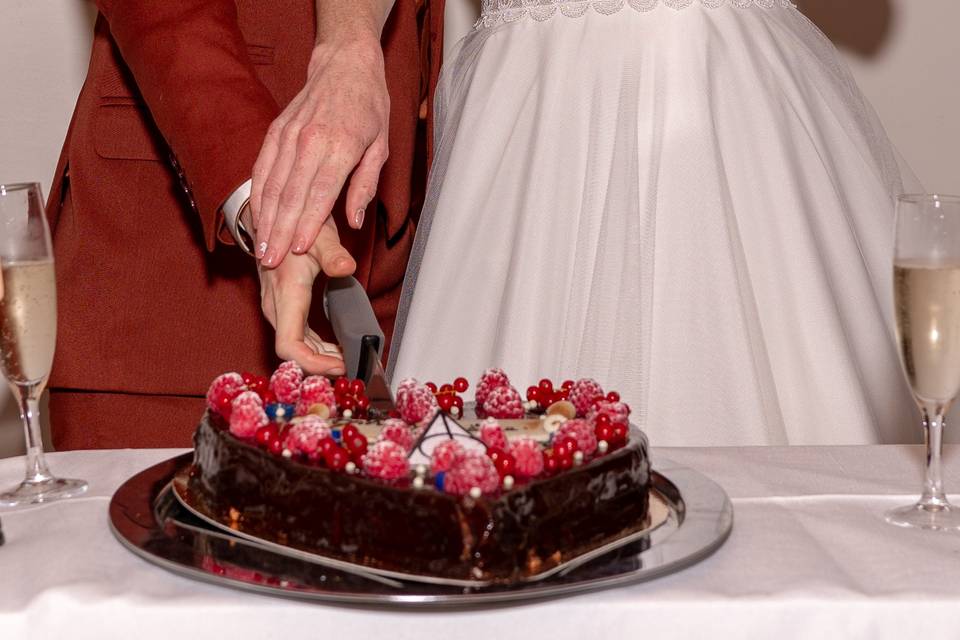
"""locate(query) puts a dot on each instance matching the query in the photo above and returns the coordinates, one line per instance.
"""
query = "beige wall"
(904, 53)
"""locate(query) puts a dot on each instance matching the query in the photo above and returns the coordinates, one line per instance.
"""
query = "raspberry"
(492, 434)
(292, 366)
(528, 456)
(445, 455)
(386, 460)
(415, 402)
(397, 431)
(474, 469)
(618, 412)
(407, 384)
(224, 387)
(305, 436)
(285, 383)
(490, 380)
(316, 390)
(582, 394)
(581, 431)
(504, 403)
(247, 415)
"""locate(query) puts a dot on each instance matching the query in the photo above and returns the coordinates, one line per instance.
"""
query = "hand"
(336, 125)
(285, 296)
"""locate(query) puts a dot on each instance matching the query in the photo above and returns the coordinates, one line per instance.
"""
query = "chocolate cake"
(482, 513)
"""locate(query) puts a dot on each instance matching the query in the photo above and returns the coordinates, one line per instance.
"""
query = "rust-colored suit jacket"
(154, 302)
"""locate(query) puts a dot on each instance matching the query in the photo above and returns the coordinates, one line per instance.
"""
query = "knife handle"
(354, 323)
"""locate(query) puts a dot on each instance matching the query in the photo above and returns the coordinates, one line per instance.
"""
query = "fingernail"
(300, 245)
(337, 371)
(358, 218)
(261, 250)
(343, 263)
(271, 258)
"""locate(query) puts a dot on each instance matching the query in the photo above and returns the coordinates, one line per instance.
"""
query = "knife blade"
(355, 325)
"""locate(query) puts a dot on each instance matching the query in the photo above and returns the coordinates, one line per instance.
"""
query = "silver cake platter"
(147, 519)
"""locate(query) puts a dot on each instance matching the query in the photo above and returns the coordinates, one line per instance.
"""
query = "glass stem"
(933, 498)
(28, 396)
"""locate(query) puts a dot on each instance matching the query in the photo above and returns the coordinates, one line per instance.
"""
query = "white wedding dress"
(687, 200)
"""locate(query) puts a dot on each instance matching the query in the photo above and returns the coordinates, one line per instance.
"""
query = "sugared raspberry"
(416, 403)
(581, 431)
(291, 365)
(492, 434)
(305, 436)
(490, 380)
(528, 456)
(445, 455)
(617, 412)
(397, 431)
(582, 394)
(247, 415)
(285, 384)
(386, 460)
(316, 390)
(503, 403)
(474, 469)
(407, 384)
(223, 388)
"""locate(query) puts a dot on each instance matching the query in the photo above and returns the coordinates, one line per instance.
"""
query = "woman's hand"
(285, 296)
(335, 126)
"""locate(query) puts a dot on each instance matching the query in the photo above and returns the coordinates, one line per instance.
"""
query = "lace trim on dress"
(496, 12)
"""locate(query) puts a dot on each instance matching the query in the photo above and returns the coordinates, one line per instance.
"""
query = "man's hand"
(285, 296)
(336, 125)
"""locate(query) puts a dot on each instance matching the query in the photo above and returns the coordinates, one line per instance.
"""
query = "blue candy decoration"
(336, 434)
(438, 479)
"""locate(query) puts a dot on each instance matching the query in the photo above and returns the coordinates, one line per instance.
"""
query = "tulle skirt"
(693, 206)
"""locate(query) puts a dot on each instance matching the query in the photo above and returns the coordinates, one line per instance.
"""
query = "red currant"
(604, 432)
(265, 434)
(357, 387)
(563, 394)
(275, 446)
(337, 459)
(565, 446)
(393, 413)
(268, 397)
(350, 431)
(565, 462)
(363, 403)
(432, 386)
(225, 407)
(446, 388)
(533, 393)
(356, 444)
(341, 386)
(550, 462)
(326, 445)
(461, 385)
(248, 377)
(603, 419)
(445, 401)
(546, 385)
(613, 396)
(458, 403)
(506, 465)
(619, 434)
(347, 403)
(567, 384)
(260, 384)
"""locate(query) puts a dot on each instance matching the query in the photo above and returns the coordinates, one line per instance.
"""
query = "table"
(809, 557)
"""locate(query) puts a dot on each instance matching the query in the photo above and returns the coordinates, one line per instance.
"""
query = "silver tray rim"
(701, 521)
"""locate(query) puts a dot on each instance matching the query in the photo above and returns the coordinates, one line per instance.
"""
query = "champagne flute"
(28, 331)
(926, 276)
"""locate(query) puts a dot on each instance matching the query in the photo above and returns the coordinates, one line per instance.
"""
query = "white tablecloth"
(809, 557)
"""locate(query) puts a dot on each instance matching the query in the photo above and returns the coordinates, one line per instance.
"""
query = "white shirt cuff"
(231, 215)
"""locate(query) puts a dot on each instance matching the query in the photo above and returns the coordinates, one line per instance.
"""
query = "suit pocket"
(125, 131)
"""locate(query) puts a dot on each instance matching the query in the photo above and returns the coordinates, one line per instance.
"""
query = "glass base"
(43, 491)
(939, 516)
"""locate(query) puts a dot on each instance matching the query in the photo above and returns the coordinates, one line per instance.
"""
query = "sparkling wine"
(28, 321)
(928, 328)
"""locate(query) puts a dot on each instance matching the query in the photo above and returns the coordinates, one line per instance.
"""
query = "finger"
(261, 169)
(322, 193)
(363, 183)
(321, 346)
(292, 306)
(273, 187)
(333, 258)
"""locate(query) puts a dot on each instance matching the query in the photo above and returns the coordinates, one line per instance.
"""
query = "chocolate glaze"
(502, 538)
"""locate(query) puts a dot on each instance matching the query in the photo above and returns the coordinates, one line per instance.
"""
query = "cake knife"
(355, 325)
